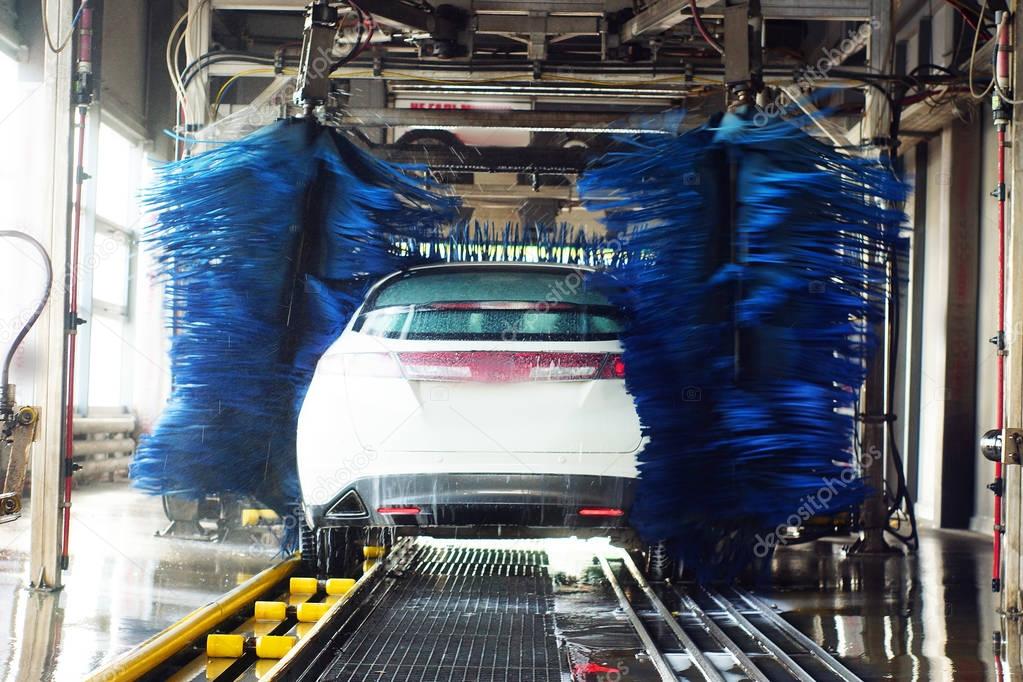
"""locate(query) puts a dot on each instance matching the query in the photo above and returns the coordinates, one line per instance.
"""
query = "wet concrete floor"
(925, 617)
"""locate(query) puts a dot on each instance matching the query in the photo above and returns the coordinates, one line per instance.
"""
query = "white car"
(469, 400)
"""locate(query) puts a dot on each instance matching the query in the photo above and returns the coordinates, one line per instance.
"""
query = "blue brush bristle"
(242, 240)
(746, 258)
(224, 241)
(266, 246)
(753, 259)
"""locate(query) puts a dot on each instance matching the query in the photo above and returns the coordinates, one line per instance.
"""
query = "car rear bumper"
(482, 505)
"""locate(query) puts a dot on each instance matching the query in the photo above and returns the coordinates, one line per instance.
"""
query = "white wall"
(935, 299)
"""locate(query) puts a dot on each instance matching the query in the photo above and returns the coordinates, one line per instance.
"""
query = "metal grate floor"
(459, 614)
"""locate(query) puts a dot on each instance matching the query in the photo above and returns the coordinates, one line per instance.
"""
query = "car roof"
(499, 264)
(484, 265)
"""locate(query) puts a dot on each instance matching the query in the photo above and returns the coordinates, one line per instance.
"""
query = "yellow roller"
(303, 586)
(367, 564)
(225, 646)
(274, 647)
(268, 515)
(373, 551)
(269, 610)
(339, 586)
(310, 612)
(250, 517)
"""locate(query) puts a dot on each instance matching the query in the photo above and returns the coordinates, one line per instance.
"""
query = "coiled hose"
(9, 357)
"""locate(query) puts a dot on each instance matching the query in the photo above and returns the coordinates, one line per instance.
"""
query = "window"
(490, 303)
(23, 196)
(108, 270)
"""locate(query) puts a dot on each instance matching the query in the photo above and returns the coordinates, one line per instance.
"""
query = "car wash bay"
(465, 449)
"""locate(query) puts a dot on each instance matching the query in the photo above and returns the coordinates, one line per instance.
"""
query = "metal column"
(876, 127)
(1013, 513)
(47, 459)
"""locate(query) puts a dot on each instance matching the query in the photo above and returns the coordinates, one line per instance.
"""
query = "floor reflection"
(124, 585)
(924, 617)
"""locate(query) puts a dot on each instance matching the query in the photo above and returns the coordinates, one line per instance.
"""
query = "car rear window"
(524, 304)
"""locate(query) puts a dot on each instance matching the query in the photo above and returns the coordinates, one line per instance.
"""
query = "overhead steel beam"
(807, 10)
(668, 11)
(260, 5)
(540, 121)
(552, 6)
(663, 15)
(513, 195)
(659, 17)
(554, 24)
(540, 160)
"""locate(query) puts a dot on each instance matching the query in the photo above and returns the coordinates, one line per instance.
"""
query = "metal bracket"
(14, 452)
(313, 83)
(993, 447)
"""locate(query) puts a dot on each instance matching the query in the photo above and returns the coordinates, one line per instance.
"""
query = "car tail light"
(601, 511)
(509, 366)
(398, 511)
(614, 368)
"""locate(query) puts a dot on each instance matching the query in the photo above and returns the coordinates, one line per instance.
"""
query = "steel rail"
(664, 668)
(714, 630)
(763, 641)
(816, 650)
(701, 662)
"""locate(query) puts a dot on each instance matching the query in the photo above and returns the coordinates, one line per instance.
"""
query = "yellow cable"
(227, 83)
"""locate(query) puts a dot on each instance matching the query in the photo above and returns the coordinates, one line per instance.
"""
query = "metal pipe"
(552, 121)
(87, 426)
(105, 446)
(93, 468)
(656, 657)
(1002, 117)
(701, 662)
(821, 654)
(714, 630)
(72, 335)
(763, 642)
(6, 393)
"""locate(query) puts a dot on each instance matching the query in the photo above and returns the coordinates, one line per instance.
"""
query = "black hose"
(5, 376)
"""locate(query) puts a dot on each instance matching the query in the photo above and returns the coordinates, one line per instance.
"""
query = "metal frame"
(48, 461)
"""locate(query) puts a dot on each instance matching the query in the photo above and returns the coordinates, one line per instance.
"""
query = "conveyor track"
(436, 611)
(732, 627)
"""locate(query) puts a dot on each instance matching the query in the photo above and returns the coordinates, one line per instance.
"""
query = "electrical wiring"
(903, 497)
(232, 80)
(357, 45)
(973, 55)
(71, 31)
(698, 21)
(368, 18)
(169, 59)
(191, 140)
(43, 298)
(974, 22)
(204, 61)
